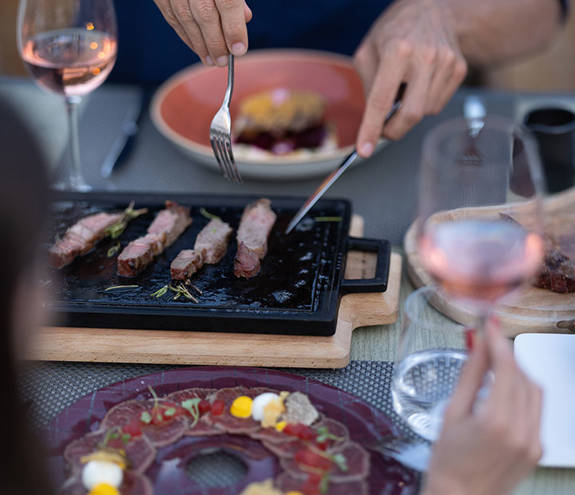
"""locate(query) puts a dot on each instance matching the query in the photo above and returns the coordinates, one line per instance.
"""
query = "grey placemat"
(51, 387)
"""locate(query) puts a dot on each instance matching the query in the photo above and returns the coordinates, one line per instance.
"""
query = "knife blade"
(336, 174)
(123, 144)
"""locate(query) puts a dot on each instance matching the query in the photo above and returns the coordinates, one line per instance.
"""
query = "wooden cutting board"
(211, 348)
(530, 309)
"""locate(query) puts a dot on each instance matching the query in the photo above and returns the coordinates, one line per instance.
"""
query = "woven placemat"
(50, 387)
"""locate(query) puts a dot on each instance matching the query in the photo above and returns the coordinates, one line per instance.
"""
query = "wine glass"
(69, 47)
(479, 230)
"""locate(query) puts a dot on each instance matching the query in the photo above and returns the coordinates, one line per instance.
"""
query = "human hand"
(211, 28)
(487, 449)
(414, 42)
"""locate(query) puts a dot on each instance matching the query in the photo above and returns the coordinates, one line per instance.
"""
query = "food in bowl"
(283, 122)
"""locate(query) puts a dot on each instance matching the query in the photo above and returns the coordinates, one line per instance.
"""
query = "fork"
(221, 132)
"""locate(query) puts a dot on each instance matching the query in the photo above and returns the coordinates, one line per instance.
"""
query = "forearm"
(493, 31)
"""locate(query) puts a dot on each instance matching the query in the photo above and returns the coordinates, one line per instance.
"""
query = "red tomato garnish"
(310, 458)
(291, 429)
(311, 487)
(314, 478)
(322, 445)
(300, 431)
(157, 416)
(218, 407)
(204, 407)
(133, 428)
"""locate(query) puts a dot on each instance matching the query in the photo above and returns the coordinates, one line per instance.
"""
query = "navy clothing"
(150, 51)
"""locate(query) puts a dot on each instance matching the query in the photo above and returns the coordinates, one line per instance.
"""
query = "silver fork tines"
(221, 132)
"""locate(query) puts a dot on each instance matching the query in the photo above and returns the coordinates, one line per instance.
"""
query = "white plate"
(549, 360)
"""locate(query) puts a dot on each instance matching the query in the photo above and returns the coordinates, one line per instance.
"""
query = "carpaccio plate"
(367, 426)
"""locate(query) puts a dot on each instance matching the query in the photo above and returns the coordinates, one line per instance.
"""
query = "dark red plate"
(367, 425)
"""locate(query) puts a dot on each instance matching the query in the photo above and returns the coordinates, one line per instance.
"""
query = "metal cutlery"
(123, 144)
(337, 173)
(221, 132)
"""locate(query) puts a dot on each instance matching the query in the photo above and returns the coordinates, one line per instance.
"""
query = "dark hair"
(23, 215)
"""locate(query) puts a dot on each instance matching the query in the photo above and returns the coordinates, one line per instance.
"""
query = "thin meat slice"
(356, 460)
(285, 450)
(139, 451)
(226, 421)
(255, 226)
(81, 238)
(132, 484)
(203, 427)
(287, 483)
(210, 247)
(159, 435)
(168, 225)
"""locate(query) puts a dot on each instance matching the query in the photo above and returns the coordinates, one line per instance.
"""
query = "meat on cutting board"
(255, 226)
(81, 238)
(168, 225)
(210, 247)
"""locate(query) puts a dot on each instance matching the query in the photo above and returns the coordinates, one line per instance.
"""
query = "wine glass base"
(61, 186)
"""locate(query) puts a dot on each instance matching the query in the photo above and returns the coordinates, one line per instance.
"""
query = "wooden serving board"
(241, 349)
(529, 309)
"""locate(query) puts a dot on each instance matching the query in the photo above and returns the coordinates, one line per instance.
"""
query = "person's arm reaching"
(211, 28)
(429, 43)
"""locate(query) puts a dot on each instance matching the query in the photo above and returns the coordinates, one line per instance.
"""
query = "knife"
(124, 143)
(338, 172)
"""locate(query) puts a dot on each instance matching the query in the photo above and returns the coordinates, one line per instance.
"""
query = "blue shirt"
(149, 50)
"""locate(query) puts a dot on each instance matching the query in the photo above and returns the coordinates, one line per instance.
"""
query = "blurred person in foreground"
(427, 44)
(481, 450)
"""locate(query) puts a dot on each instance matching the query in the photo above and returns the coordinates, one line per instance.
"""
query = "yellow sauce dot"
(242, 407)
(294, 493)
(104, 489)
(281, 425)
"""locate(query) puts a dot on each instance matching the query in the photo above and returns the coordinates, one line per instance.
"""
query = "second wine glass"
(69, 47)
(480, 212)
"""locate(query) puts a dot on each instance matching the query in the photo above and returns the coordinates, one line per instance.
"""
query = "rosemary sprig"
(341, 462)
(181, 290)
(327, 219)
(195, 287)
(160, 292)
(114, 249)
(324, 484)
(117, 229)
(210, 216)
(117, 287)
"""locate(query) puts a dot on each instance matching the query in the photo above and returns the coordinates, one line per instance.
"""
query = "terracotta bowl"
(185, 104)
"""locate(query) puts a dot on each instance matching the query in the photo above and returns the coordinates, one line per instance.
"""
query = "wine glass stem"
(76, 178)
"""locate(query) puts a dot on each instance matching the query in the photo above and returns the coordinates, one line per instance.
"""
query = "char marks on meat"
(159, 435)
(81, 238)
(255, 226)
(132, 484)
(168, 225)
(139, 451)
(210, 247)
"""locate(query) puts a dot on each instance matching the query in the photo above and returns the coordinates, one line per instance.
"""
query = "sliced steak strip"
(81, 238)
(212, 241)
(186, 264)
(255, 226)
(210, 247)
(132, 484)
(139, 451)
(159, 435)
(168, 225)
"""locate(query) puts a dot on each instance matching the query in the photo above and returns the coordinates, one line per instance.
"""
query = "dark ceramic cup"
(554, 130)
